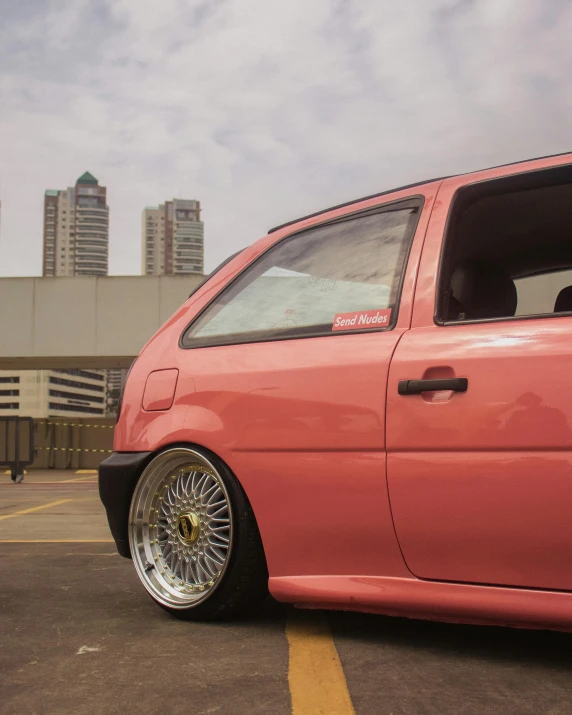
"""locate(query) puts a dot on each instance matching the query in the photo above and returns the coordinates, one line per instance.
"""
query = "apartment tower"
(173, 238)
(76, 229)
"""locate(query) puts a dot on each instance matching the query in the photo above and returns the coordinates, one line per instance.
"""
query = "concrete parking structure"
(85, 321)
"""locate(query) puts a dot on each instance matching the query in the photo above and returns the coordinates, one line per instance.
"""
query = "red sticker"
(362, 319)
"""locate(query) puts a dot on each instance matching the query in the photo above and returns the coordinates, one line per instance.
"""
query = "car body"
(445, 499)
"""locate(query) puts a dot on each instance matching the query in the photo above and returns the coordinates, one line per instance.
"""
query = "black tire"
(244, 583)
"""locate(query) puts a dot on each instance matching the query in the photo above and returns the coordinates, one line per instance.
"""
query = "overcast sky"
(265, 109)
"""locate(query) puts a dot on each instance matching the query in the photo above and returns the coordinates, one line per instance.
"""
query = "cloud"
(265, 111)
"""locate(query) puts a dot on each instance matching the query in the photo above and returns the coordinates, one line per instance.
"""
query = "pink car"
(368, 409)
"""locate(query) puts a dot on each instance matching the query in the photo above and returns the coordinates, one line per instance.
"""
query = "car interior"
(502, 235)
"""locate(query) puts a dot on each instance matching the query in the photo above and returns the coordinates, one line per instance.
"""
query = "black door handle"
(416, 387)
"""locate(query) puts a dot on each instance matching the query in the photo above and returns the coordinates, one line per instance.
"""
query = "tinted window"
(508, 252)
(546, 293)
(302, 285)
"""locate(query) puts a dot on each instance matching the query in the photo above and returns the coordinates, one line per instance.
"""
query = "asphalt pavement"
(78, 634)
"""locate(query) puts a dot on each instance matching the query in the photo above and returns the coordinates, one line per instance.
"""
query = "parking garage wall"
(72, 444)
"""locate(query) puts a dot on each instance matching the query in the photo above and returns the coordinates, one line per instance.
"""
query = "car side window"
(507, 252)
(544, 293)
(341, 276)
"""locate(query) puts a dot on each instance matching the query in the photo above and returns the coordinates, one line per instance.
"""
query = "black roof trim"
(216, 270)
(355, 201)
(409, 186)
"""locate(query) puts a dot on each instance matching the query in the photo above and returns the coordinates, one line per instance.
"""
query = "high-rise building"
(173, 238)
(76, 243)
(76, 229)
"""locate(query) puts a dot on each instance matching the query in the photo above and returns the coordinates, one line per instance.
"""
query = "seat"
(564, 301)
(481, 290)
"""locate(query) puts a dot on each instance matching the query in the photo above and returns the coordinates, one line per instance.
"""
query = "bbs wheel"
(193, 537)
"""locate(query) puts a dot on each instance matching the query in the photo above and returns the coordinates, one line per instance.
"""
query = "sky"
(265, 110)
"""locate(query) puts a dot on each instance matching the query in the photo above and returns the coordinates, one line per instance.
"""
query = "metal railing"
(12, 439)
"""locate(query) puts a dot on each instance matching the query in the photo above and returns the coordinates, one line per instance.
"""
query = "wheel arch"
(116, 495)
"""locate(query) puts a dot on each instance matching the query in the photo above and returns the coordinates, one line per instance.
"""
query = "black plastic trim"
(507, 319)
(118, 475)
(357, 201)
(416, 201)
(418, 387)
(213, 273)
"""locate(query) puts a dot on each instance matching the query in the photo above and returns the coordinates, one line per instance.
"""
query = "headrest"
(484, 290)
(462, 282)
(564, 301)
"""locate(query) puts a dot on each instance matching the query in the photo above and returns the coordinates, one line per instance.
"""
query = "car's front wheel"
(193, 537)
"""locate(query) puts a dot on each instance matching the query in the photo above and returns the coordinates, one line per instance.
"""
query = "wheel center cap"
(188, 527)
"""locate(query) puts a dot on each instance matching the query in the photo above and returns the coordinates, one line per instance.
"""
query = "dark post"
(16, 476)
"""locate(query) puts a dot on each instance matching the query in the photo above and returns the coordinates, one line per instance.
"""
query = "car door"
(480, 465)
(289, 367)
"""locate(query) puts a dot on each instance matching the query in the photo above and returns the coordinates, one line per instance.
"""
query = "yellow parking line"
(34, 508)
(315, 675)
(78, 479)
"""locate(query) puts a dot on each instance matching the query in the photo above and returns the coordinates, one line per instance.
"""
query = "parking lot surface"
(79, 634)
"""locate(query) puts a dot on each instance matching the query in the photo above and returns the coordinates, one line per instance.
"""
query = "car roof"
(403, 188)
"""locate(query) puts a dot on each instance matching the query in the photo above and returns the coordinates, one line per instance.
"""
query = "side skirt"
(430, 600)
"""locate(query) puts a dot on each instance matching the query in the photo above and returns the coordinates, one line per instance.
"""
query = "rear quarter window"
(302, 285)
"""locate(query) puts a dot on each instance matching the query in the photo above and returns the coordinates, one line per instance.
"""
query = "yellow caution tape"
(72, 424)
(74, 449)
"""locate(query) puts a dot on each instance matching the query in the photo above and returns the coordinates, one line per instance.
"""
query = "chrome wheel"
(180, 528)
